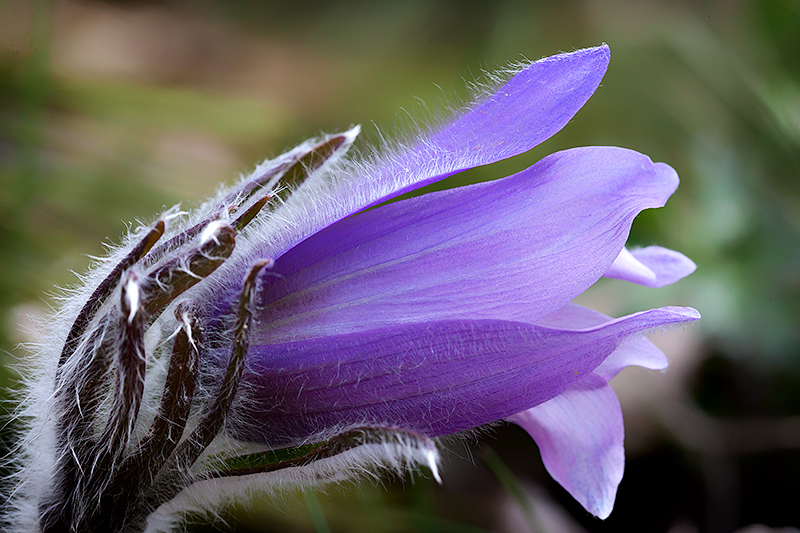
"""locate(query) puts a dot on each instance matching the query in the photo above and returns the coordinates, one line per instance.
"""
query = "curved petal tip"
(653, 266)
(682, 314)
(580, 435)
(599, 54)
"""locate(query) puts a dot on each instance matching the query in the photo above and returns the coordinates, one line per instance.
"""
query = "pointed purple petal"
(574, 316)
(580, 435)
(512, 249)
(435, 378)
(653, 266)
(636, 350)
(533, 105)
(530, 108)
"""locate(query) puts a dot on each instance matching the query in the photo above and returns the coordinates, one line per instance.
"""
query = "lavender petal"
(637, 350)
(532, 106)
(580, 435)
(516, 249)
(527, 110)
(653, 266)
(434, 378)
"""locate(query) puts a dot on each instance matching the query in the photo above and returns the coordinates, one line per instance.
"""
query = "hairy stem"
(172, 279)
(167, 428)
(264, 463)
(131, 365)
(104, 289)
(211, 423)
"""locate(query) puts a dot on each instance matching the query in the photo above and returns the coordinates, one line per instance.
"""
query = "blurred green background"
(111, 111)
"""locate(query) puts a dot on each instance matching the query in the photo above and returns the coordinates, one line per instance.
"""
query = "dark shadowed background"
(111, 111)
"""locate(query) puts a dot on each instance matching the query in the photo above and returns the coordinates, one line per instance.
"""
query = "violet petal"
(527, 110)
(532, 106)
(653, 266)
(434, 378)
(636, 350)
(580, 435)
(516, 249)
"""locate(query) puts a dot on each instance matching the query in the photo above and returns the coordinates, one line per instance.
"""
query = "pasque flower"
(310, 335)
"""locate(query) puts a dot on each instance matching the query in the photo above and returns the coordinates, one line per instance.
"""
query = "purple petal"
(434, 378)
(653, 266)
(580, 435)
(636, 350)
(512, 249)
(531, 107)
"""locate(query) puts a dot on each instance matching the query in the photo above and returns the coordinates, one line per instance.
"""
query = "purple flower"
(452, 310)
(294, 330)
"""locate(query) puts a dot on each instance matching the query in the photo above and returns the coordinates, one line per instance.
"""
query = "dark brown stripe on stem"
(131, 366)
(212, 422)
(170, 421)
(244, 219)
(169, 281)
(308, 163)
(170, 481)
(105, 288)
